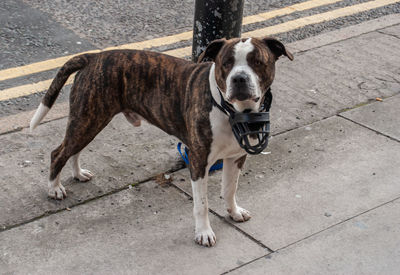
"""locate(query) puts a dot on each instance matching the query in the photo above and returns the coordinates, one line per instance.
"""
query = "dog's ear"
(276, 47)
(212, 50)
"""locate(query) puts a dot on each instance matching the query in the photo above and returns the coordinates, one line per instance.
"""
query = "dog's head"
(244, 68)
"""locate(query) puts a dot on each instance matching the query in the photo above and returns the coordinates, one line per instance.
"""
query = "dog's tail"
(74, 64)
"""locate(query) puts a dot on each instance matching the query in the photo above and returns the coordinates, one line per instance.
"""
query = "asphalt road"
(38, 30)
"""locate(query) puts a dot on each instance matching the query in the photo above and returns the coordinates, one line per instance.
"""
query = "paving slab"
(315, 177)
(144, 230)
(323, 81)
(120, 155)
(383, 117)
(384, 22)
(368, 244)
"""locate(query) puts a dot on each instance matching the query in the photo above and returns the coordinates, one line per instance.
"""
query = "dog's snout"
(241, 96)
(241, 87)
(240, 78)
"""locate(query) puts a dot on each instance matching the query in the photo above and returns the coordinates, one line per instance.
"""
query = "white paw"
(205, 237)
(239, 214)
(83, 175)
(57, 192)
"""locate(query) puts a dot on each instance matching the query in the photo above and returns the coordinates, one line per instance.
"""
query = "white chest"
(224, 144)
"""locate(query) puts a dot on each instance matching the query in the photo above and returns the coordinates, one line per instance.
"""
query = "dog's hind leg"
(77, 171)
(81, 130)
(58, 160)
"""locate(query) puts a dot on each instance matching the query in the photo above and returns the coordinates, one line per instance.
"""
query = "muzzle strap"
(251, 130)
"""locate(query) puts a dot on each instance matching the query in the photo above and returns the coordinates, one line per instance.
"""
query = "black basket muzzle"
(251, 130)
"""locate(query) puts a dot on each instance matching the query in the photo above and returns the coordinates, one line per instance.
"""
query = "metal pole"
(214, 19)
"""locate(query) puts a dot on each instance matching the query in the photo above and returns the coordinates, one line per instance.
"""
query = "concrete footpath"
(325, 201)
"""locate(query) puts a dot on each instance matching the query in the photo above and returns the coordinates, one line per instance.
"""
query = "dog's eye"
(258, 62)
(228, 63)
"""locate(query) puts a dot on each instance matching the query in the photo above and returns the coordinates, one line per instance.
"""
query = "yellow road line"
(301, 22)
(27, 89)
(186, 51)
(319, 18)
(286, 10)
(156, 42)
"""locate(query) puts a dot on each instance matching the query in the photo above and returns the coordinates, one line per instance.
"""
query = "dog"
(177, 96)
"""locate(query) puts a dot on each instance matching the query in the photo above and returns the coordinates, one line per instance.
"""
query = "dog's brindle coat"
(172, 94)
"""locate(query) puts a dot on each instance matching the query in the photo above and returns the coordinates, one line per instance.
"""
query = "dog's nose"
(240, 79)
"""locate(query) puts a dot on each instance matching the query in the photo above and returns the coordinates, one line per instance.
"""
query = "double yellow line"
(186, 51)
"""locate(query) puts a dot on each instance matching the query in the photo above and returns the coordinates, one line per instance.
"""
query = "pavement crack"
(19, 129)
(339, 223)
(47, 213)
(249, 262)
(369, 128)
(270, 250)
(312, 235)
(389, 34)
(69, 207)
(227, 222)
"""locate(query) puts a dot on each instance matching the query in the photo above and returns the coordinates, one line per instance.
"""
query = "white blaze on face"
(241, 50)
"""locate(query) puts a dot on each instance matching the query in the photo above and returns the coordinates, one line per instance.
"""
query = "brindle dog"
(176, 96)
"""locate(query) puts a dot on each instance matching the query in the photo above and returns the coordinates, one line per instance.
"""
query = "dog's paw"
(205, 237)
(83, 175)
(239, 214)
(57, 192)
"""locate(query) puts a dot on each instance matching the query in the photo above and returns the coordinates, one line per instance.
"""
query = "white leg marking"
(77, 171)
(204, 235)
(230, 175)
(56, 190)
(40, 113)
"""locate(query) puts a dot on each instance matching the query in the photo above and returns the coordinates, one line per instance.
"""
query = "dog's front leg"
(230, 175)
(204, 235)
